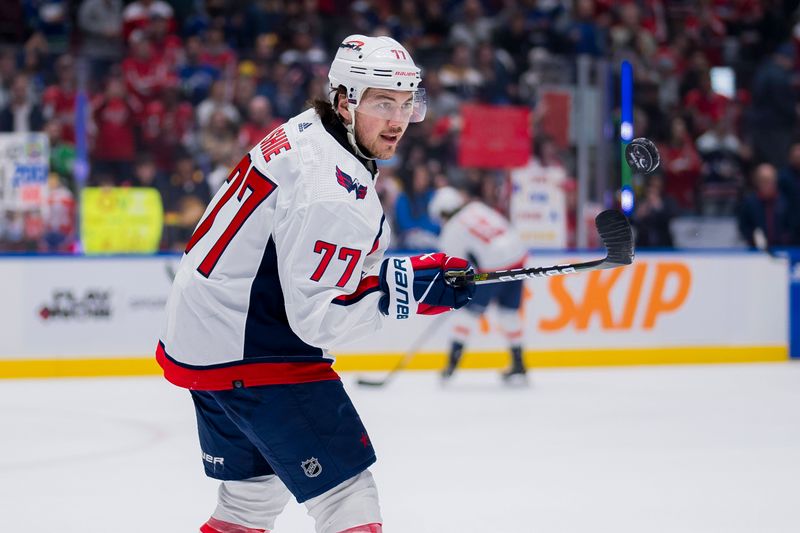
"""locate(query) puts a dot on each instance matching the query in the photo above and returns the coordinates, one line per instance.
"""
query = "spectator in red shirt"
(145, 75)
(682, 165)
(115, 142)
(218, 53)
(260, 122)
(58, 101)
(167, 46)
(704, 105)
(138, 13)
(166, 126)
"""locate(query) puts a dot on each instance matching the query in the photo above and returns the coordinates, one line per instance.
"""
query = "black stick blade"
(617, 235)
(369, 383)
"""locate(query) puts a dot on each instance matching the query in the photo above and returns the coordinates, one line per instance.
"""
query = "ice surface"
(643, 450)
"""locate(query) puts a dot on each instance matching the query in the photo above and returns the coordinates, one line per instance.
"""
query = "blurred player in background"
(286, 262)
(473, 230)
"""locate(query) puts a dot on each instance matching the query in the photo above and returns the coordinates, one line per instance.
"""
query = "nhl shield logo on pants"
(311, 467)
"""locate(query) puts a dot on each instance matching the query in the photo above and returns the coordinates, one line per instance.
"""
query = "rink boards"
(101, 316)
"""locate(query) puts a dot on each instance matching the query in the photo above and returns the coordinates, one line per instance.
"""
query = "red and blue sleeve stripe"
(366, 286)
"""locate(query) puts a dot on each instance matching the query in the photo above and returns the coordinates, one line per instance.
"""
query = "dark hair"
(324, 109)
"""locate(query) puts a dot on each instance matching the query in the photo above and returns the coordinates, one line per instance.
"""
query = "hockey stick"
(407, 356)
(614, 230)
(617, 236)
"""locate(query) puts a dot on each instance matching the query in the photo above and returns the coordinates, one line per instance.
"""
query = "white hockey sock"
(254, 502)
(350, 504)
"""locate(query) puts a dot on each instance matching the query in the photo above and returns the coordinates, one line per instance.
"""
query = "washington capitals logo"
(350, 184)
(353, 45)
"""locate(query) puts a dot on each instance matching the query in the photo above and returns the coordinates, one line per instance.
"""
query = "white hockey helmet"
(445, 202)
(376, 62)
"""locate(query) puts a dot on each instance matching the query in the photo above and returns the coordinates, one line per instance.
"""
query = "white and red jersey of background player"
(483, 235)
(282, 265)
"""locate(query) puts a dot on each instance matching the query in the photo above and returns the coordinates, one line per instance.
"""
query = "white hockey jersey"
(484, 236)
(282, 265)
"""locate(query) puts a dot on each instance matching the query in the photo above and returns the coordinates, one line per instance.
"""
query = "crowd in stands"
(179, 90)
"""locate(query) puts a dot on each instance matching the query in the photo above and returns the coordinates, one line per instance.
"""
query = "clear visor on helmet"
(399, 106)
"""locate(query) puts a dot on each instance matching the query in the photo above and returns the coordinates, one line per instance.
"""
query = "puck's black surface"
(642, 155)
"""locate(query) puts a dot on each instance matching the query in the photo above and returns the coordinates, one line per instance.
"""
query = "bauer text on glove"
(416, 285)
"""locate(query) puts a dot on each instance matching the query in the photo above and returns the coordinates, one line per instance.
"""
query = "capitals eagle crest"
(346, 181)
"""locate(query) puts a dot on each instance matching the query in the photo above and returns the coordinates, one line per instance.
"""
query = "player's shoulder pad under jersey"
(287, 139)
(336, 174)
(281, 153)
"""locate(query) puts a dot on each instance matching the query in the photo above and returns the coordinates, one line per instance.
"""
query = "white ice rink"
(696, 449)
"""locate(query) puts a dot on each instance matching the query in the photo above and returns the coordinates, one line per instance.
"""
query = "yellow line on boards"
(64, 368)
(146, 366)
(574, 358)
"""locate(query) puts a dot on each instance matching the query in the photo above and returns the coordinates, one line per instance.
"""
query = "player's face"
(382, 117)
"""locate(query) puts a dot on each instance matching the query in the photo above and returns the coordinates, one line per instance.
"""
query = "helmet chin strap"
(351, 134)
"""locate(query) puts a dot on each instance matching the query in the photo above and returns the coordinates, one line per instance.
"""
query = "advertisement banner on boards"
(83, 307)
(113, 307)
(661, 301)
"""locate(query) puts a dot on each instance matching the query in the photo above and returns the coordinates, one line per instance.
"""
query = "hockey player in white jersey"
(473, 230)
(287, 261)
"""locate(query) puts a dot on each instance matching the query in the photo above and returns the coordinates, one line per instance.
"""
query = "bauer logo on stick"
(642, 155)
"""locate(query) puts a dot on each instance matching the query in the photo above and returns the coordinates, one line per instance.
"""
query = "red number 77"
(246, 177)
(350, 255)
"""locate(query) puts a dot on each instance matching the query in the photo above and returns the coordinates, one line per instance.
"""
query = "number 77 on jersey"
(245, 177)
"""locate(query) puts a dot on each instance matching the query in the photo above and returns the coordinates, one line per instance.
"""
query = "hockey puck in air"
(642, 155)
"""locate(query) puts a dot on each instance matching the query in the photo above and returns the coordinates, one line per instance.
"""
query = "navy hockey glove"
(417, 285)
